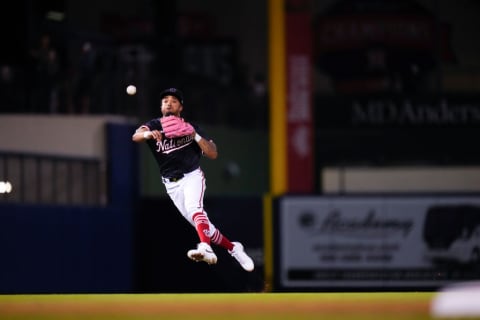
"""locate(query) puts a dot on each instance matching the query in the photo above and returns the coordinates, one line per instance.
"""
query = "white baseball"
(131, 90)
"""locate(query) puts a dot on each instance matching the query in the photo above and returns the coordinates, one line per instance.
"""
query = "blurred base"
(457, 300)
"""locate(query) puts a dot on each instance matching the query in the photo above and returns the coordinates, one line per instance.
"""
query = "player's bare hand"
(157, 135)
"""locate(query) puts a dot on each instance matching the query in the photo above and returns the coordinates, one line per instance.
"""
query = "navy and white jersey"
(175, 156)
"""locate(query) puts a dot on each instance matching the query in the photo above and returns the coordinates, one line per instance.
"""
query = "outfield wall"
(65, 249)
(115, 249)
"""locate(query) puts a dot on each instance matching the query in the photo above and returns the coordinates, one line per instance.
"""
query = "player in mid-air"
(178, 147)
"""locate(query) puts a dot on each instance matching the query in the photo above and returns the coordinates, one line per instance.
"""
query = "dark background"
(411, 66)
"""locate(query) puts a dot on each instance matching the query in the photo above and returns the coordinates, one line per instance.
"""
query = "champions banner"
(300, 166)
(381, 242)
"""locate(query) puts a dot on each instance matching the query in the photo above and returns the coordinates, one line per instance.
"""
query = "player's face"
(171, 106)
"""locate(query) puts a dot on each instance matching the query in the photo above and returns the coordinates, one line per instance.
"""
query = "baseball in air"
(131, 90)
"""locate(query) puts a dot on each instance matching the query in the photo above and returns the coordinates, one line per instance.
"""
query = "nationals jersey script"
(174, 156)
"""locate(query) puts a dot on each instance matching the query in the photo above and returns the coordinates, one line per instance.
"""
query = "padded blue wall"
(65, 250)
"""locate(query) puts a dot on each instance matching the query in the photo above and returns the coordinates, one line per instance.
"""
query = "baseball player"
(178, 146)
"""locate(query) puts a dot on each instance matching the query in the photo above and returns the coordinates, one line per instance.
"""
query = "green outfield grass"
(209, 306)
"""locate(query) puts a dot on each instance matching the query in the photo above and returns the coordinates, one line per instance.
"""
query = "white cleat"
(239, 253)
(203, 253)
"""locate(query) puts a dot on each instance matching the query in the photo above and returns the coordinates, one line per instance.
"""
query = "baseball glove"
(174, 127)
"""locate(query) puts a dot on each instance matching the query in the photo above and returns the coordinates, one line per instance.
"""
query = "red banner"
(300, 157)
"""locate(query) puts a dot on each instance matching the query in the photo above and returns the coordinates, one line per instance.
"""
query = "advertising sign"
(378, 241)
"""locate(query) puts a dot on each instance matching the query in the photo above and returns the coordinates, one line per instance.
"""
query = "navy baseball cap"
(172, 92)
